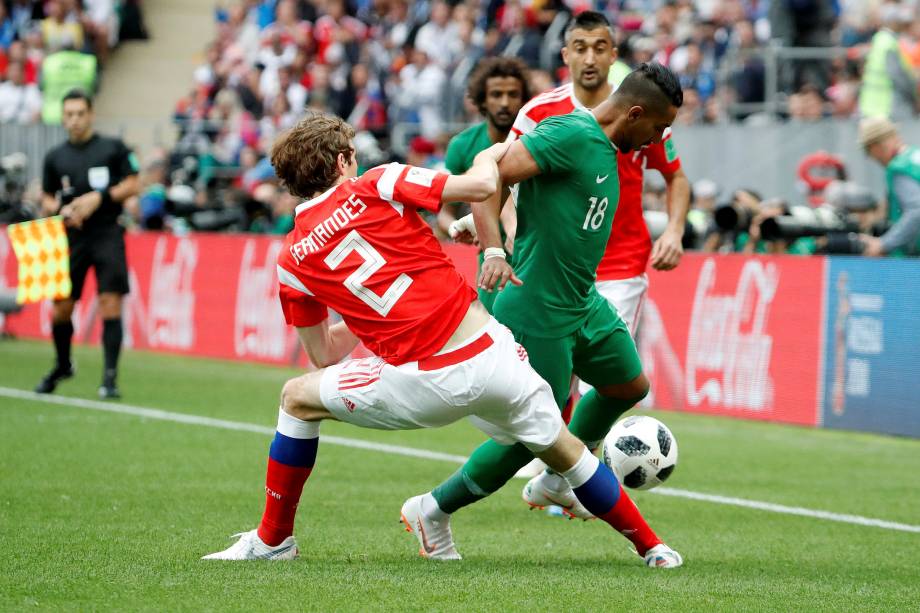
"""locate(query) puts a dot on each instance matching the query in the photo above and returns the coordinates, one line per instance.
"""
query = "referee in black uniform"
(85, 180)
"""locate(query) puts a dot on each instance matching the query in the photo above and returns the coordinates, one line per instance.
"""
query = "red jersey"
(630, 245)
(362, 250)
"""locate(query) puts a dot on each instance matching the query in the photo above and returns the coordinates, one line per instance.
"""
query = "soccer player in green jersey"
(499, 89)
(568, 192)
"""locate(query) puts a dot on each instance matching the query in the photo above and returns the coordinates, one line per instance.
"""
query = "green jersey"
(564, 218)
(465, 146)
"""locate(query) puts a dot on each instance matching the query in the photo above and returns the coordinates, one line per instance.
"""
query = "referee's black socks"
(62, 333)
(111, 345)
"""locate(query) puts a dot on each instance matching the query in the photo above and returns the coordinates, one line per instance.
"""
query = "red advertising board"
(205, 294)
(737, 336)
(726, 335)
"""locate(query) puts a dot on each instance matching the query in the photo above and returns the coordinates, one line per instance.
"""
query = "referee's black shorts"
(102, 249)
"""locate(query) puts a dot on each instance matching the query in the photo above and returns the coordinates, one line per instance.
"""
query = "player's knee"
(62, 311)
(300, 398)
(633, 391)
(642, 387)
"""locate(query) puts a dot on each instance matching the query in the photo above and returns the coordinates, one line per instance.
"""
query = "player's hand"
(463, 230)
(77, 211)
(495, 274)
(70, 219)
(872, 246)
(498, 150)
(667, 251)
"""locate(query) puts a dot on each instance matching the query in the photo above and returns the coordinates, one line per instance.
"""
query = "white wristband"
(493, 252)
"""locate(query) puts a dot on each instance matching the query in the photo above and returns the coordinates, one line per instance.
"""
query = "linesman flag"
(44, 259)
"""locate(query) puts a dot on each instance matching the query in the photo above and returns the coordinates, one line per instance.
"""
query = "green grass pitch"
(102, 511)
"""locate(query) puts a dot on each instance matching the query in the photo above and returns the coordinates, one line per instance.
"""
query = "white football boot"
(434, 537)
(662, 556)
(251, 547)
(548, 489)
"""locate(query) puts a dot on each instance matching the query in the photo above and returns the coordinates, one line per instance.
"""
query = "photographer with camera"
(880, 140)
(85, 180)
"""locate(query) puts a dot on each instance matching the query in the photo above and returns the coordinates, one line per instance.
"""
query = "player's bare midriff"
(476, 317)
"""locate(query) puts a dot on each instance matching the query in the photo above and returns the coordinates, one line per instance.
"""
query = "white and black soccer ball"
(641, 451)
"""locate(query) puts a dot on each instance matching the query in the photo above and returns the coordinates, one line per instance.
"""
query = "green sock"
(489, 468)
(595, 415)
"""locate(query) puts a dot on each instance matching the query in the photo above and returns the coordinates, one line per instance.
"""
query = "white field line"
(198, 420)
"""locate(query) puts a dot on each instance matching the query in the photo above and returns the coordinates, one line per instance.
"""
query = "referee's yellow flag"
(44, 259)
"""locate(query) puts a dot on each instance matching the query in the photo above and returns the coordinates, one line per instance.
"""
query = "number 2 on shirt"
(373, 262)
(595, 218)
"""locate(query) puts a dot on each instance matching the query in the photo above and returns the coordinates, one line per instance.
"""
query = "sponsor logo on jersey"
(349, 405)
(669, 150)
(420, 176)
(601, 179)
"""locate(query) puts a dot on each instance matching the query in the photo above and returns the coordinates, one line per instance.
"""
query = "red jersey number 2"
(373, 262)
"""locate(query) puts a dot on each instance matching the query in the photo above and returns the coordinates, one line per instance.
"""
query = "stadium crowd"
(48, 47)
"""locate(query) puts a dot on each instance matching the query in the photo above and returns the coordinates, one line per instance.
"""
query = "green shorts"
(601, 353)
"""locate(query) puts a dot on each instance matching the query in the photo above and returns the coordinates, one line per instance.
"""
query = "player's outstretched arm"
(515, 164)
(327, 345)
(668, 249)
(477, 183)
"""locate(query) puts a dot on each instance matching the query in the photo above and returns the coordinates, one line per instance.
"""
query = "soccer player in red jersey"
(360, 248)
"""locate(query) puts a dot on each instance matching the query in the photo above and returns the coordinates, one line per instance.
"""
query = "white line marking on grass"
(198, 420)
(781, 508)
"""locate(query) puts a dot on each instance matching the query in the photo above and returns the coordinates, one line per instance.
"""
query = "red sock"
(626, 519)
(283, 486)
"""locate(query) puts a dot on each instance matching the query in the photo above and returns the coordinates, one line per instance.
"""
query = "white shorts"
(627, 297)
(488, 379)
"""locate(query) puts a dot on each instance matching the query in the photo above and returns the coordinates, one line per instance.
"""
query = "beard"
(502, 120)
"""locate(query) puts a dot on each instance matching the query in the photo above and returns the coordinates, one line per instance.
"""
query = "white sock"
(583, 470)
(291, 427)
(431, 509)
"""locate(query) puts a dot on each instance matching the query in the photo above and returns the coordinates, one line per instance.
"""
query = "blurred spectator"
(687, 62)
(421, 84)
(58, 31)
(7, 29)
(889, 87)
(62, 71)
(100, 24)
(152, 204)
(807, 104)
(20, 102)
(440, 37)
(804, 23)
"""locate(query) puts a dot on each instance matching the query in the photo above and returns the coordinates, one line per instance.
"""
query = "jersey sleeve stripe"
(386, 184)
(287, 278)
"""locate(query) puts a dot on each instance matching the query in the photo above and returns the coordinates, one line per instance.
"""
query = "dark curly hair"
(492, 68)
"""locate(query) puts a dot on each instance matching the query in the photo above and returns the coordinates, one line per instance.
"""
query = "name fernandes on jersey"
(326, 229)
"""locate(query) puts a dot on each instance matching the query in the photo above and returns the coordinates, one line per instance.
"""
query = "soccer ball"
(641, 452)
